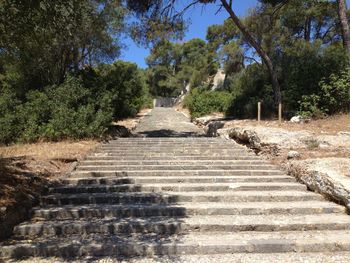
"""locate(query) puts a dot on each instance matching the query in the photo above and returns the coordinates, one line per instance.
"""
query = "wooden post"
(259, 112)
(280, 113)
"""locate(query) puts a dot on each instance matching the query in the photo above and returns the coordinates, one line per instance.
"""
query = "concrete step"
(177, 179)
(177, 225)
(190, 244)
(178, 187)
(174, 167)
(187, 209)
(170, 198)
(174, 173)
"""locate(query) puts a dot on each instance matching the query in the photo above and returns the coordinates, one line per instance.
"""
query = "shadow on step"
(168, 133)
(95, 218)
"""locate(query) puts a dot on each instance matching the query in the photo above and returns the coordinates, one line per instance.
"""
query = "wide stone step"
(172, 162)
(222, 146)
(171, 152)
(104, 157)
(187, 209)
(178, 187)
(177, 225)
(170, 198)
(175, 173)
(174, 167)
(177, 179)
(192, 243)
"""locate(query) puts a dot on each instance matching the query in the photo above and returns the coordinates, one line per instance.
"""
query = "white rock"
(293, 155)
(296, 119)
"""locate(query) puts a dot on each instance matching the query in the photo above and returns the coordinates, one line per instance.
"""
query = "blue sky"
(200, 20)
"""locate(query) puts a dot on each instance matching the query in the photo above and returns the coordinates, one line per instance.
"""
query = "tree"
(344, 24)
(173, 66)
(165, 10)
(44, 39)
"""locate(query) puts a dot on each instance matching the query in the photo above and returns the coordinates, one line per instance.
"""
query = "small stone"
(293, 155)
(296, 119)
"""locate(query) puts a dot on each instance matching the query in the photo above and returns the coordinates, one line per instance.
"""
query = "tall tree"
(262, 53)
(165, 10)
(344, 24)
(47, 39)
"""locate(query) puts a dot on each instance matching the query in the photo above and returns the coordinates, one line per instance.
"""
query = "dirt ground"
(330, 125)
(25, 168)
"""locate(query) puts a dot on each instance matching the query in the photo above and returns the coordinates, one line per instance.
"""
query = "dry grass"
(49, 150)
(26, 168)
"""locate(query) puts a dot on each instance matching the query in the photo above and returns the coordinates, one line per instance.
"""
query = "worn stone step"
(172, 156)
(104, 157)
(171, 146)
(177, 179)
(187, 209)
(177, 225)
(190, 244)
(170, 198)
(250, 167)
(171, 152)
(179, 187)
(172, 162)
(176, 173)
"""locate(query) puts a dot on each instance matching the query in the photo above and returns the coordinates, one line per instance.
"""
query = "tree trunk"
(344, 25)
(266, 59)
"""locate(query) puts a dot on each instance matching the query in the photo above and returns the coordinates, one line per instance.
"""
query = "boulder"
(329, 176)
(212, 128)
(247, 137)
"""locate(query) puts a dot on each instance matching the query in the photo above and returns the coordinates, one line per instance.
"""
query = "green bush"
(201, 101)
(249, 87)
(333, 96)
(82, 106)
(127, 86)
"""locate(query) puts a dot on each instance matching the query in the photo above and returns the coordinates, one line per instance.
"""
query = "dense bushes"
(332, 97)
(201, 101)
(82, 106)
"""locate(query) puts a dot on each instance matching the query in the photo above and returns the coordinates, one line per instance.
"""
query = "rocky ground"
(317, 152)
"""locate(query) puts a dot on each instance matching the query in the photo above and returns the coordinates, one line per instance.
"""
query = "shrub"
(201, 101)
(333, 96)
(249, 87)
(127, 86)
(83, 106)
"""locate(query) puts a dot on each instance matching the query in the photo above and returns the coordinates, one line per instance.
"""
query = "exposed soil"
(26, 170)
(27, 167)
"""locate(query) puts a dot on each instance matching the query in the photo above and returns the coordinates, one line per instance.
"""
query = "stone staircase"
(178, 196)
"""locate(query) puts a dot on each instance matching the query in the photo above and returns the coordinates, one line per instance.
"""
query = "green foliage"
(248, 88)
(201, 101)
(80, 107)
(333, 96)
(126, 84)
(47, 39)
(173, 66)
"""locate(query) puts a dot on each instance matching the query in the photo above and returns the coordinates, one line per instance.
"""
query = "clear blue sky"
(200, 20)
